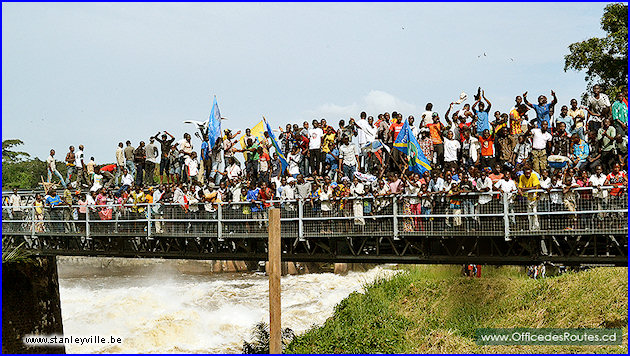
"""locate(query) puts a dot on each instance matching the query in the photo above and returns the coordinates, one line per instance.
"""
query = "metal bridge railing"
(580, 210)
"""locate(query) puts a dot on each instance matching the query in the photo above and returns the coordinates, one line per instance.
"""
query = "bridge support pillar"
(30, 304)
(341, 268)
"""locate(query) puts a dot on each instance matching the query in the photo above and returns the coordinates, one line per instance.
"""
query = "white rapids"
(165, 311)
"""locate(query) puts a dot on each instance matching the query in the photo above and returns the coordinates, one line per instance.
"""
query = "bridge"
(589, 227)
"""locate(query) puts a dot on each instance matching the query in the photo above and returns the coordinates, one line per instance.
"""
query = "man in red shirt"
(396, 127)
(107, 172)
(394, 130)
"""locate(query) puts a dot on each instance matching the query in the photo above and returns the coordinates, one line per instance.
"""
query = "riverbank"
(433, 309)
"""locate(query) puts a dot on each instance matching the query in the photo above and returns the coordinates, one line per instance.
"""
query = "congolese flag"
(272, 137)
(407, 143)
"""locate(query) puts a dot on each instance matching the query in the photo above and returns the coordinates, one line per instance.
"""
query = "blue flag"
(214, 123)
(407, 143)
(272, 137)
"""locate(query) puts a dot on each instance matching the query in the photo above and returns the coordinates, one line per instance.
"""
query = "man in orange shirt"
(517, 115)
(435, 129)
(486, 140)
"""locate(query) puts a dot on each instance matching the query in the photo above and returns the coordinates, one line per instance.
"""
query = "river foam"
(164, 311)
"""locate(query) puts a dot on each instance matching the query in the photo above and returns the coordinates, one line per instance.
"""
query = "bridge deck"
(495, 229)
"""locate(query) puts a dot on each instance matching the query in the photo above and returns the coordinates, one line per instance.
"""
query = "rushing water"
(162, 310)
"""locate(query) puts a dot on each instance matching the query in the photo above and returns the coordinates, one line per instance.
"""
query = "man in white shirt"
(52, 168)
(361, 133)
(451, 147)
(126, 181)
(184, 146)
(16, 205)
(80, 164)
(597, 181)
(314, 148)
(541, 140)
(233, 170)
(507, 186)
(598, 105)
(348, 158)
(427, 116)
(192, 167)
(120, 162)
(366, 135)
(484, 185)
(151, 160)
(288, 193)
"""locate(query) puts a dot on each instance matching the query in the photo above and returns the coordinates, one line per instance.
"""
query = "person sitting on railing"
(618, 195)
(467, 185)
(39, 213)
(597, 181)
(529, 181)
(507, 186)
(253, 196)
(357, 190)
(546, 184)
(340, 192)
(106, 211)
(412, 202)
(54, 202)
(265, 195)
(454, 207)
(288, 193)
(68, 212)
(485, 185)
(569, 199)
(179, 197)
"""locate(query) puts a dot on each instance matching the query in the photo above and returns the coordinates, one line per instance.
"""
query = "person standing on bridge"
(120, 162)
(152, 154)
(81, 168)
(129, 162)
(16, 205)
(165, 145)
(70, 166)
(52, 168)
(139, 156)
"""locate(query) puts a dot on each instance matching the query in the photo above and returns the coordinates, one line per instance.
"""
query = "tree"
(10, 156)
(604, 59)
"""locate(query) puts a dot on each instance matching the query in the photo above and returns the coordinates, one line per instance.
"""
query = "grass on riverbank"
(432, 309)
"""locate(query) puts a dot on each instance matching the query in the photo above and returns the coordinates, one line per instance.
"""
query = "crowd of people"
(520, 151)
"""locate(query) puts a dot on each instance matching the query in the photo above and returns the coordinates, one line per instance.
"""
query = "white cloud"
(374, 103)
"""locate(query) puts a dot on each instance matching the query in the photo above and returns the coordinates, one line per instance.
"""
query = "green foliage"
(13, 253)
(434, 309)
(260, 343)
(10, 156)
(27, 174)
(605, 60)
(362, 323)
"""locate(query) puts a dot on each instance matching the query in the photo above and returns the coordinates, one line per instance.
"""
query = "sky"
(100, 73)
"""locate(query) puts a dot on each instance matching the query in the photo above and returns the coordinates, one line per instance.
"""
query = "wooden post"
(275, 333)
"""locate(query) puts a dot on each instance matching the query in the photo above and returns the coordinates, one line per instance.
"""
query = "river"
(155, 308)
